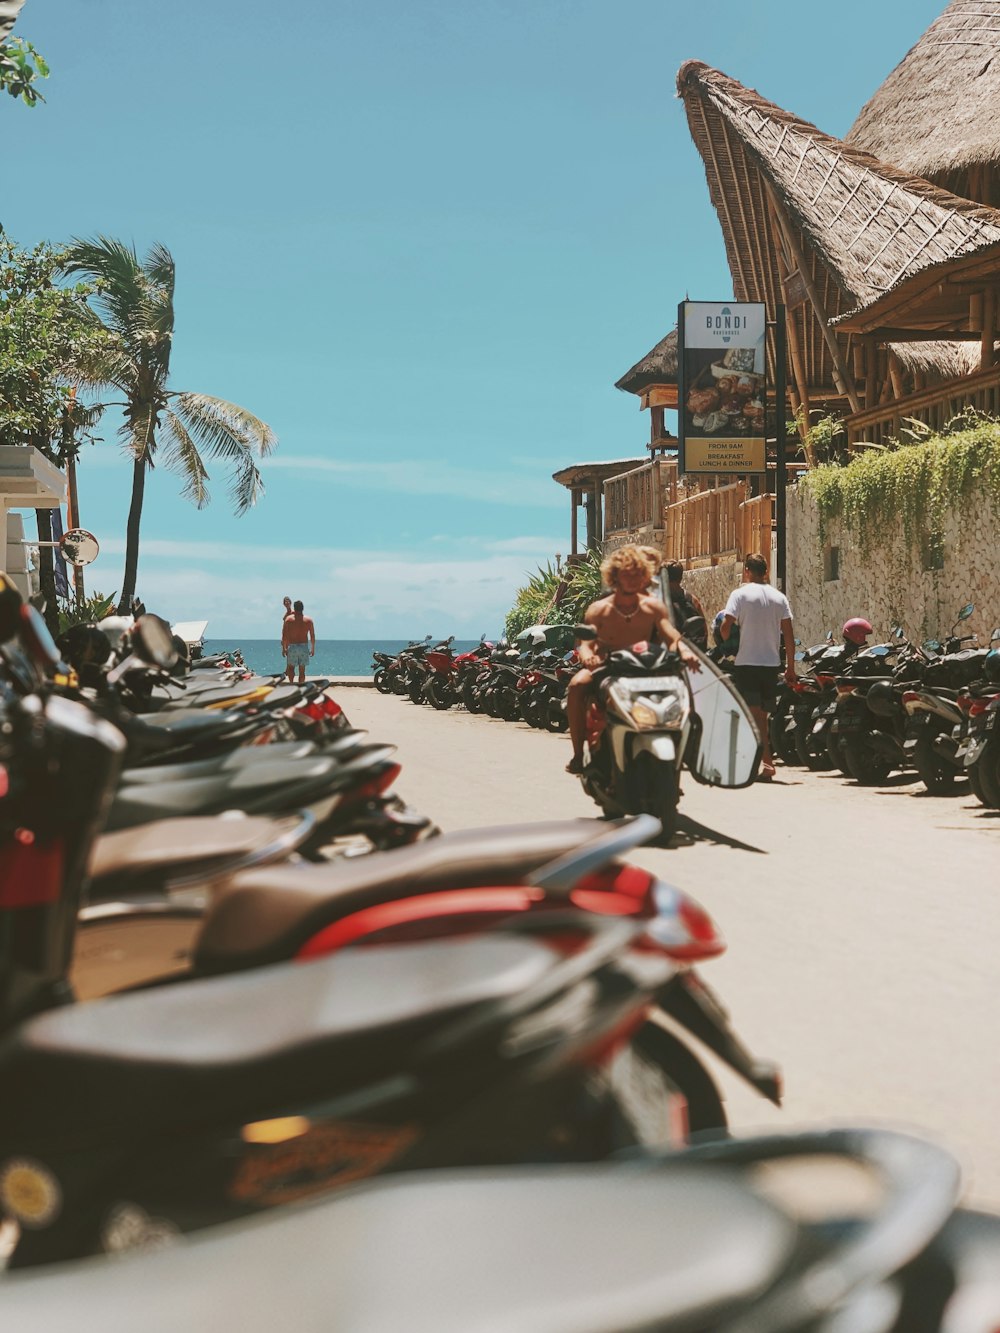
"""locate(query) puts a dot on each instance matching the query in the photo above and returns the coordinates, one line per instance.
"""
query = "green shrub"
(914, 484)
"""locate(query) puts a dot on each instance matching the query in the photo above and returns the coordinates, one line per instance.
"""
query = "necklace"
(627, 615)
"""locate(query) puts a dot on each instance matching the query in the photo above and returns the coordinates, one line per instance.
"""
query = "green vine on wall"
(914, 485)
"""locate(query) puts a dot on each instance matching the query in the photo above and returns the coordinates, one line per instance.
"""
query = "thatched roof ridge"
(862, 225)
(870, 222)
(658, 366)
(935, 114)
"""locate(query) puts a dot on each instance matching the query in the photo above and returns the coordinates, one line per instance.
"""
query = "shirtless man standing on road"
(298, 642)
(628, 616)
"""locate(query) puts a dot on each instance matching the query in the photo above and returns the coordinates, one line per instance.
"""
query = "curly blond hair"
(634, 559)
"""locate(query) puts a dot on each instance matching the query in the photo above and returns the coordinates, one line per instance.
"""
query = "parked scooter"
(709, 1238)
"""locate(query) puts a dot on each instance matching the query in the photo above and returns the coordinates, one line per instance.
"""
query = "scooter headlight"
(644, 716)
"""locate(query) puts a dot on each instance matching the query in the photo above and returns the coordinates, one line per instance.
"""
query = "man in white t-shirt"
(764, 618)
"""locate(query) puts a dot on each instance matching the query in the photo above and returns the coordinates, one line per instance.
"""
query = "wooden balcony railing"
(934, 406)
(699, 526)
(637, 499)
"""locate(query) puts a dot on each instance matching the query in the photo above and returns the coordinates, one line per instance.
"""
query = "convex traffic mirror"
(79, 547)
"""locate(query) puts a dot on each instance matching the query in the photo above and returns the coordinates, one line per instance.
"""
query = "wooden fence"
(933, 406)
(699, 527)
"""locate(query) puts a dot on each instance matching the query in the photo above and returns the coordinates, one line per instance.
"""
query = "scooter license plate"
(973, 750)
(991, 721)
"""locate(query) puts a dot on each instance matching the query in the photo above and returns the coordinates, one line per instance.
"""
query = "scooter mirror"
(79, 547)
(966, 611)
(829, 636)
(584, 632)
(153, 642)
(995, 635)
(897, 633)
(36, 638)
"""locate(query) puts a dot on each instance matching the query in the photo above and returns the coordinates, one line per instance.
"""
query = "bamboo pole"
(989, 323)
(842, 375)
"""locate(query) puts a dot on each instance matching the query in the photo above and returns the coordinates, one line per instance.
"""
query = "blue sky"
(420, 238)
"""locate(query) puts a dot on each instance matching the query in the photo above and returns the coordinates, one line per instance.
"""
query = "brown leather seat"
(264, 916)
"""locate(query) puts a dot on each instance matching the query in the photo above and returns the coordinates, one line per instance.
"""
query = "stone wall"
(889, 585)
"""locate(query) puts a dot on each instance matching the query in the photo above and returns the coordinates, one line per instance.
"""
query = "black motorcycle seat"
(266, 915)
(611, 1249)
(232, 1048)
(227, 762)
(340, 747)
(270, 786)
(188, 724)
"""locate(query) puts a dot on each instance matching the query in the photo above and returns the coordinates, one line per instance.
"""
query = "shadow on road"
(689, 832)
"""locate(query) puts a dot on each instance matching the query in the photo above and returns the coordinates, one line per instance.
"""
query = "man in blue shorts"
(298, 642)
(765, 619)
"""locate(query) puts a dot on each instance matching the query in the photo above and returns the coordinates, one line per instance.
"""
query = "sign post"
(781, 443)
(723, 387)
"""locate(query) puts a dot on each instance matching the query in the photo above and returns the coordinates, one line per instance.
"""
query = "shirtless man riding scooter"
(630, 615)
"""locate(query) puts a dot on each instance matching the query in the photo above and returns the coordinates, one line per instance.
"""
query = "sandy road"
(863, 924)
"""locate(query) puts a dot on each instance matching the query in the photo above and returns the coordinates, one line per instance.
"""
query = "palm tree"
(136, 303)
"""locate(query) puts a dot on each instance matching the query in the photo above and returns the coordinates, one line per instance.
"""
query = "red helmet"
(856, 630)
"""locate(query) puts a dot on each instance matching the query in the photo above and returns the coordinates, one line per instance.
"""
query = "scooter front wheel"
(658, 789)
(382, 681)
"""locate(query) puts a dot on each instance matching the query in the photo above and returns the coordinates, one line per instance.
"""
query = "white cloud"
(426, 477)
(350, 594)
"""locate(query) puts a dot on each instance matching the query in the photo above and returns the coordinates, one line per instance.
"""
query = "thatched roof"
(936, 113)
(9, 10)
(860, 225)
(657, 367)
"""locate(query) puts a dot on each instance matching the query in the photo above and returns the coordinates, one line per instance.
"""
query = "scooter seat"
(272, 786)
(231, 1049)
(344, 744)
(612, 1248)
(263, 916)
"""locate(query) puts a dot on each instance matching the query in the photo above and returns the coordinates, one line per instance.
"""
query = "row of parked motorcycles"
(465, 1081)
(871, 710)
(522, 681)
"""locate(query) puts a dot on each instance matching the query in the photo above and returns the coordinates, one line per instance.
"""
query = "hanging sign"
(722, 387)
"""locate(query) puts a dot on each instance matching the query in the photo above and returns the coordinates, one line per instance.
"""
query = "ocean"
(334, 657)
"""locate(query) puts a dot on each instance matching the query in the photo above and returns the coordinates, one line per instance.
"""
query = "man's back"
(758, 609)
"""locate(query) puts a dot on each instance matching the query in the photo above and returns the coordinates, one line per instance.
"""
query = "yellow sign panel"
(718, 454)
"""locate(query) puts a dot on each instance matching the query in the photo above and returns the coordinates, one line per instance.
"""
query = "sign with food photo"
(722, 387)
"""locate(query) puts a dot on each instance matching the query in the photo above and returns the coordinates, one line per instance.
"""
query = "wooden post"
(989, 326)
(73, 521)
(896, 375)
(574, 501)
(657, 424)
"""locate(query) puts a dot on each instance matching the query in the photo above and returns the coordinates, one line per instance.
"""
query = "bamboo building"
(883, 247)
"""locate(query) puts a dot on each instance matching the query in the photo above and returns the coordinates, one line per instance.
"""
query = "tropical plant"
(45, 331)
(556, 597)
(136, 302)
(20, 66)
(92, 608)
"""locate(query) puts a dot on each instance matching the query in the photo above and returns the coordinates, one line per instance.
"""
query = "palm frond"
(181, 456)
(115, 267)
(229, 432)
(224, 424)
